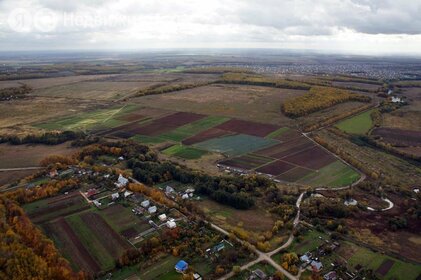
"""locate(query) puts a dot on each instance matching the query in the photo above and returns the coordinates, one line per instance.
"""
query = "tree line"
(47, 138)
(14, 92)
(317, 99)
(26, 252)
(229, 190)
(258, 80)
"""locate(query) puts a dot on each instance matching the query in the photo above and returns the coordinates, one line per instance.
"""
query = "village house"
(121, 181)
(91, 192)
(316, 265)
(162, 217)
(257, 274)
(181, 266)
(350, 202)
(152, 209)
(145, 203)
(53, 173)
(171, 224)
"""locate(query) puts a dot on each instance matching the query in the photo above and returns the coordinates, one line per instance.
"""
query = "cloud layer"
(331, 25)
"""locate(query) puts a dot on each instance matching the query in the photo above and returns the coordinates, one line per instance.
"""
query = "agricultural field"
(359, 124)
(398, 137)
(252, 103)
(90, 239)
(16, 116)
(235, 145)
(184, 152)
(104, 118)
(193, 128)
(296, 159)
(93, 90)
(53, 82)
(15, 156)
(384, 267)
(396, 169)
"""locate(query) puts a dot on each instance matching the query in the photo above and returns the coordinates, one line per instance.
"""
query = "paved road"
(260, 257)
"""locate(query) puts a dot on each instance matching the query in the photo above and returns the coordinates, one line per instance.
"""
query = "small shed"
(115, 196)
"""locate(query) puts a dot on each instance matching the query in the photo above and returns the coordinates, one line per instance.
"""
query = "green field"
(235, 145)
(359, 124)
(104, 118)
(163, 269)
(91, 243)
(121, 218)
(143, 139)
(372, 260)
(184, 152)
(336, 174)
(193, 128)
(278, 132)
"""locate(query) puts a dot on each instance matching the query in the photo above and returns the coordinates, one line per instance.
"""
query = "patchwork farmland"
(89, 238)
(282, 153)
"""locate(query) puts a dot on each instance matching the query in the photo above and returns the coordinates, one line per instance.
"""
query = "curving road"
(268, 256)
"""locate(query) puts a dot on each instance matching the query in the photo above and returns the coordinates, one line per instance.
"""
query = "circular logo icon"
(45, 20)
(20, 20)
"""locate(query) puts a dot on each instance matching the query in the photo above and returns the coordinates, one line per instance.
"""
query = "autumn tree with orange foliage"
(25, 253)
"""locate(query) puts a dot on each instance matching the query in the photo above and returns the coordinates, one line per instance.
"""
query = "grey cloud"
(364, 16)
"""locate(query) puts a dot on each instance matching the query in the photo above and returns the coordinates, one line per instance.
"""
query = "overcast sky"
(356, 26)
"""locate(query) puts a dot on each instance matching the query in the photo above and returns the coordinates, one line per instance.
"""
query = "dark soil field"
(294, 174)
(275, 168)
(167, 123)
(131, 117)
(129, 233)
(314, 158)
(385, 267)
(246, 127)
(398, 137)
(54, 208)
(247, 162)
(288, 147)
(205, 135)
(71, 246)
(8, 177)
